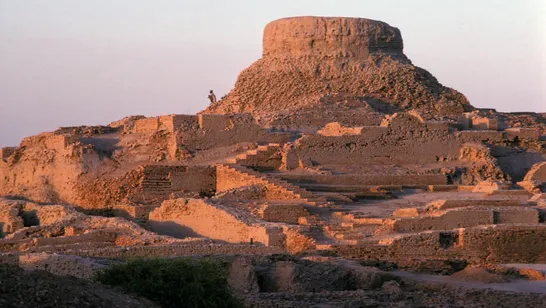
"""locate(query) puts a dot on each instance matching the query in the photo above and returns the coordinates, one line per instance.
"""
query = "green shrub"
(173, 283)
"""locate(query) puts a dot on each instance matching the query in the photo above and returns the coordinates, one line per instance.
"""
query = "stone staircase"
(254, 157)
(290, 189)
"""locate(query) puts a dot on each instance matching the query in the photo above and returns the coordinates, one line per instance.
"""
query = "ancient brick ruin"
(312, 165)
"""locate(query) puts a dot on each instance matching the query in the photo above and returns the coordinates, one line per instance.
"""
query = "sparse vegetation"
(173, 283)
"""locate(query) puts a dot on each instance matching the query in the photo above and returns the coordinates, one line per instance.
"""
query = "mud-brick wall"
(287, 213)
(146, 125)
(482, 123)
(163, 180)
(192, 217)
(59, 142)
(450, 220)
(514, 215)
(194, 178)
(184, 249)
(521, 133)
(479, 136)
(177, 121)
(392, 146)
(506, 244)
(226, 130)
(486, 244)
(369, 179)
(169, 123)
(265, 159)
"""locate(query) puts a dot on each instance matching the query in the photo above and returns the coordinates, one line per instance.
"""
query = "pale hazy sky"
(75, 62)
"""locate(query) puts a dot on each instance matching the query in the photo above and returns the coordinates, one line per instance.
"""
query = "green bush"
(173, 283)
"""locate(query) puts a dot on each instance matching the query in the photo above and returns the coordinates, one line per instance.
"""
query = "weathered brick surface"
(485, 244)
(160, 181)
(403, 138)
(521, 133)
(479, 136)
(214, 122)
(193, 216)
(287, 213)
(172, 250)
(476, 122)
(516, 215)
(442, 205)
(369, 179)
(459, 218)
(537, 173)
(234, 176)
(59, 142)
(146, 125)
(177, 121)
(6, 152)
(482, 123)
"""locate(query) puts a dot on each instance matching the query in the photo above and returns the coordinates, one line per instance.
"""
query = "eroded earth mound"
(353, 179)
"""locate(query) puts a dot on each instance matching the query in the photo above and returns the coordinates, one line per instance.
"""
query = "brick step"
(349, 236)
(156, 181)
(335, 197)
(156, 187)
(156, 184)
(155, 177)
(349, 188)
(298, 192)
(243, 156)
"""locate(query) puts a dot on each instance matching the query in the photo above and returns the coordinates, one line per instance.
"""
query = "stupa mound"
(317, 61)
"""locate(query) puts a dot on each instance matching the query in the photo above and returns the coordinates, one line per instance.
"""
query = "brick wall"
(370, 179)
(214, 122)
(159, 181)
(183, 249)
(287, 213)
(59, 142)
(482, 123)
(381, 145)
(187, 217)
(516, 215)
(460, 218)
(507, 244)
(521, 133)
(174, 122)
(146, 125)
(485, 244)
(478, 136)
(451, 204)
